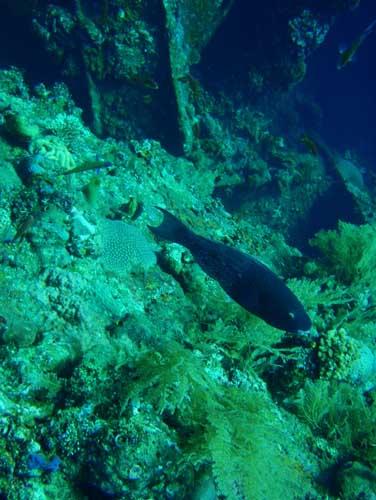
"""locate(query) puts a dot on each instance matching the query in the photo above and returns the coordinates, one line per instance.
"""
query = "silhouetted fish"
(245, 279)
(347, 54)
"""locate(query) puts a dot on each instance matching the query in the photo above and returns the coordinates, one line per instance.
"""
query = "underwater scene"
(187, 250)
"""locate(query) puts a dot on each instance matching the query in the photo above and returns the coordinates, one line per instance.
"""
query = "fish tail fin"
(171, 228)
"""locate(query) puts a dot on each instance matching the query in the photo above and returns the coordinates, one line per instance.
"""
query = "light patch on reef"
(123, 246)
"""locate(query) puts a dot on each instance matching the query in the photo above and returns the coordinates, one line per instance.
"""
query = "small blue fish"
(39, 462)
(244, 278)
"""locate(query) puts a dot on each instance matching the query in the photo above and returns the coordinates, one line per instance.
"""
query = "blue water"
(347, 97)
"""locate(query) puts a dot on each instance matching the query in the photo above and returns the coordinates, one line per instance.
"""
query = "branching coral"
(340, 414)
(238, 430)
(348, 252)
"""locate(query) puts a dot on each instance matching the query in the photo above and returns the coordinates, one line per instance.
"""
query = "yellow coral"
(336, 354)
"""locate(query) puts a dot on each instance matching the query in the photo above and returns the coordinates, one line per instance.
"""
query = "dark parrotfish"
(244, 278)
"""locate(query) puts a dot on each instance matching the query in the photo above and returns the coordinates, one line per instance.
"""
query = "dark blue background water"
(347, 97)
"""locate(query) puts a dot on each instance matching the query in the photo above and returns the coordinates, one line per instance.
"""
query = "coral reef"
(127, 372)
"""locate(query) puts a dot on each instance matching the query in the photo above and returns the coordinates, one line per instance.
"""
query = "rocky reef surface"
(126, 372)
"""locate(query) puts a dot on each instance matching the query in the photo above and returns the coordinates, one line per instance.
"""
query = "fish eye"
(291, 315)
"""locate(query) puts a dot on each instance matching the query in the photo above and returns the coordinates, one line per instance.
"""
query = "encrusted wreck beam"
(190, 26)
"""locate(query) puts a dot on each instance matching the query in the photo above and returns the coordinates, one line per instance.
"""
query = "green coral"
(339, 413)
(239, 431)
(245, 440)
(348, 252)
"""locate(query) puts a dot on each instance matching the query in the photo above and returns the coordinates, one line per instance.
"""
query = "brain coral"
(123, 246)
